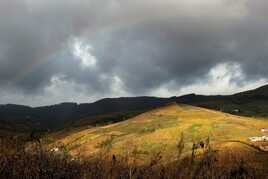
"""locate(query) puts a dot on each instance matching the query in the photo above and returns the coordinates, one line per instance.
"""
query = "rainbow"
(31, 67)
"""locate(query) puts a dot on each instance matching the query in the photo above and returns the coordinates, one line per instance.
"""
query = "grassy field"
(160, 130)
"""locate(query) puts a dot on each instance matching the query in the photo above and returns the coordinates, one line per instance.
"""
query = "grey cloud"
(144, 43)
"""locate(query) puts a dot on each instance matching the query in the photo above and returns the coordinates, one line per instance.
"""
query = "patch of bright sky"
(83, 53)
(222, 79)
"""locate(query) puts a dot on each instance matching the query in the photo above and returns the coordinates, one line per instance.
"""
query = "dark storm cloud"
(34, 34)
(151, 54)
(185, 49)
(144, 43)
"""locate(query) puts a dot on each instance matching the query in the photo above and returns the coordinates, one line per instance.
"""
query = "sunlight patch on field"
(160, 130)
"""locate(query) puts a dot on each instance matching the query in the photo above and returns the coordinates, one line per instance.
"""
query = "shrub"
(37, 163)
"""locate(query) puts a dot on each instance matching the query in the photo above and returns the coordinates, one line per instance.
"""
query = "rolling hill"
(248, 103)
(142, 133)
(110, 110)
(58, 116)
(159, 130)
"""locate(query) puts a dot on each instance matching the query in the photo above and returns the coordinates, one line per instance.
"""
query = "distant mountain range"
(108, 110)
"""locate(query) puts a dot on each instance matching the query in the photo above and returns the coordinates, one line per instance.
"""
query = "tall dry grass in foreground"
(15, 162)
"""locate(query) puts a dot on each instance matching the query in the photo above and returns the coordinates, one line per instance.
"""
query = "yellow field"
(160, 130)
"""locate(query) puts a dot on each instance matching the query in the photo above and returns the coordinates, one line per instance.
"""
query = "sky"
(54, 51)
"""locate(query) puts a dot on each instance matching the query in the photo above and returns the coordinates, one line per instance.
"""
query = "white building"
(259, 139)
(264, 130)
(54, 149)
(264, 148)
(236, 110)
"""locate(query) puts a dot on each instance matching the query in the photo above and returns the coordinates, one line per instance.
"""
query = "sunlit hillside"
(160, 131)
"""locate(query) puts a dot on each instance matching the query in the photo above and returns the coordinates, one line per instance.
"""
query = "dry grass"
(204, 162)
(163, 143)
(158, 129)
